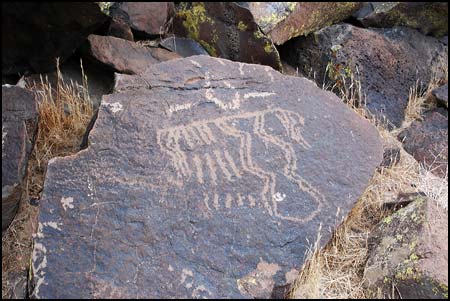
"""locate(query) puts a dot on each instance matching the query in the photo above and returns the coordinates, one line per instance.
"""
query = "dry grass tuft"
(64, 112)
(336, 270)
(419, 95)
(434, 187)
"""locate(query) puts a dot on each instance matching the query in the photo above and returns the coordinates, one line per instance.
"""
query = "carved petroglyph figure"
(202, 153)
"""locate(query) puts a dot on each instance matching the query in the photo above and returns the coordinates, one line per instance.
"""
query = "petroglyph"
(192, 162)
(114, 107)
(67, 203)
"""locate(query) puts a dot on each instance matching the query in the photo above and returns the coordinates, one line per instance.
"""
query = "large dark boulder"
(388, 63)
(19, 127)
(34, 34)
(427, 17)
(203, 178)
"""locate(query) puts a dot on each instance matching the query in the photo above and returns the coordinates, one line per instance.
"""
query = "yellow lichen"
(241, 26)
(192, 20)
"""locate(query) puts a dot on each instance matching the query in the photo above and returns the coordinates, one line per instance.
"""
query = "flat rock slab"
(388, 62)
(19, 126)
(125, 56)
(203, 178)
(427, 141)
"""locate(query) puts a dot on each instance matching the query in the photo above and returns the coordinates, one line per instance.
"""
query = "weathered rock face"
(227, 30)
(125, 56)
(409, 250)
(183, 46)
(427, 17)
(427, 141)
(120, 29)
(441, 95)
(203, 178)
(145, 18)
(35, 34)
(19, 126)
(282, 21)
(16, 286)
(389, 62)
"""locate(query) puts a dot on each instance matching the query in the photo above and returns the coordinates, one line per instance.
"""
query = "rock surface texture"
(183, 46)
(203, 178)
(427, 141)
(145, 18)
(409, 250)
(282, 21)
(441, 95)
(19, 126)
(125, 56)
(35, 34)
(388, 63)
(427, 17)
(226, 30)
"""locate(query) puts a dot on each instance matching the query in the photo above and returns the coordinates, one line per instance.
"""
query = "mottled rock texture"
(440, 95)
(427, 141)
(146, 19)
(34, 34)
(203, 178)
(388, 62)
(19, 126)
(226, 30)
(282, 21)
(427, 17)
(409, 251)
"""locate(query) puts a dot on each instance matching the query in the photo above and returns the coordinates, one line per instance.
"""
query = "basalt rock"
(183, 46)
(440, 95)
(409, 251)
(427, 141)
(35, 34)
(427, 17)
(124, 56)
(387, 62)
(146, 19)
(203, 178)
(120, 29)
(282, 21)
(19, 126)
(226, 30)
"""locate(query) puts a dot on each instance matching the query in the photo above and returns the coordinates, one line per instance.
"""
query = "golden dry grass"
(336, 270)
(418, 97)
(64, 112)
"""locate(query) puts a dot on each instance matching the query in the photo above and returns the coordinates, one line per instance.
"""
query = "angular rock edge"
(99, 273)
